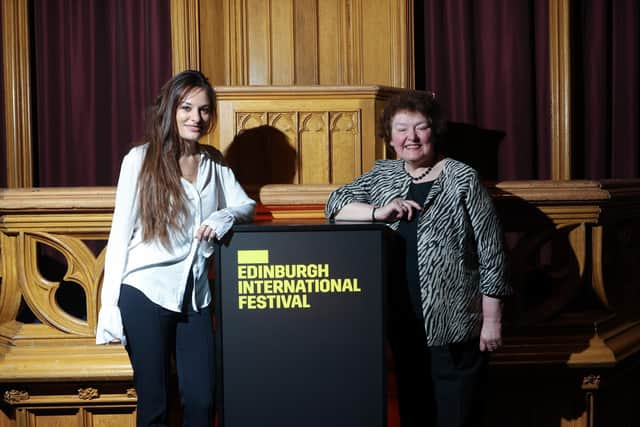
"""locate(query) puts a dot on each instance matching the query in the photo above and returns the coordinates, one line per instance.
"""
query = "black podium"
(300, 326)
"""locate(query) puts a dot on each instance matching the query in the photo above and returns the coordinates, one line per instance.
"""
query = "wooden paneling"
(233, 23)
(258, 32)
(305, 42)
(282, 42)
(314, 148)
(345, 145)
(114, 417)
(375, 66)
(332, 69)
(309, 134)
(212, 40)
(55, 415)
(52, 417)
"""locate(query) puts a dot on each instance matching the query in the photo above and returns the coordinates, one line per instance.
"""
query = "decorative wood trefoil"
(13, 397)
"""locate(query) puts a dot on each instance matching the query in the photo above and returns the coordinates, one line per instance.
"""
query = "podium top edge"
(270, 226)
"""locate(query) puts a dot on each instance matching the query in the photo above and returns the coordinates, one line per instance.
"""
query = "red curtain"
(488, 63)
(606, 88)
(97, 66)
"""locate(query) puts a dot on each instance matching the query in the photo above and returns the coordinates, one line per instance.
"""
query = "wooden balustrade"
(573, 255)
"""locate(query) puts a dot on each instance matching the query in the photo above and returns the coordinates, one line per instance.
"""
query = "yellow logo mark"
(258, 256)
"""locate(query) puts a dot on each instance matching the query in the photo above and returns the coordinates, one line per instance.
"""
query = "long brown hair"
(163, 209)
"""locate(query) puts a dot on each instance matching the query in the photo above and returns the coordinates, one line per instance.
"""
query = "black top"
(409, 232)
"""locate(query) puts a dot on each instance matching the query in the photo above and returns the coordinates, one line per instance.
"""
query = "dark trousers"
(154, 334)
(439, 386)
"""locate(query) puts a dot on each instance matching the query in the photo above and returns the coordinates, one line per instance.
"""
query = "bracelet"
(373, 214)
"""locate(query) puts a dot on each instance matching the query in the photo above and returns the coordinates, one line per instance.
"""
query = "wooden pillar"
(560, 83)
(17, 92)
(185, 35)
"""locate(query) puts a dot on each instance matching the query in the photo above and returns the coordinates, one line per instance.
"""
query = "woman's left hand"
(204, 232)
(491, 332)
(491, 335)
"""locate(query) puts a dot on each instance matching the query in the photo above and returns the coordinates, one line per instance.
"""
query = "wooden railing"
(573, 256)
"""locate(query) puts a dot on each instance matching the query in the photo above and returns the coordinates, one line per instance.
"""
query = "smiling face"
(193, 115)
(411, 138)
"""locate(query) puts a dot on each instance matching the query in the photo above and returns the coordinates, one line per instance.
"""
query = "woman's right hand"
(204, 232)
(397, 209)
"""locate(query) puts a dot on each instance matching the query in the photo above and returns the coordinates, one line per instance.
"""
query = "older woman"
(174, 197)
(446, 299)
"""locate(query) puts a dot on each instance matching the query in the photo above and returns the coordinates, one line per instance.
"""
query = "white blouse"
(216, 199)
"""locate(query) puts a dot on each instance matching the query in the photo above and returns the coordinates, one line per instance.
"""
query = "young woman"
(174, 198)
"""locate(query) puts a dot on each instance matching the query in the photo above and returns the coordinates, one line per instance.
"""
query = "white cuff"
(110, 326)
(221, 222)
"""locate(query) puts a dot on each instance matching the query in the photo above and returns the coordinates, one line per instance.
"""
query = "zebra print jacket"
(460, 251)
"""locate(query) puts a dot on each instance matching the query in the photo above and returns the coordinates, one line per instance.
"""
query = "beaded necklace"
(417, 178)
